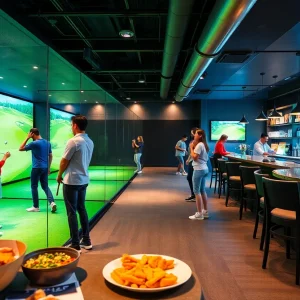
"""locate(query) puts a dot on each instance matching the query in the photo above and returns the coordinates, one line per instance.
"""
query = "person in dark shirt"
(41, 154)
(138, 151)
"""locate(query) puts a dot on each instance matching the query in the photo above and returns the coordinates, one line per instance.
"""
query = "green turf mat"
(97, 190)
(31, 228)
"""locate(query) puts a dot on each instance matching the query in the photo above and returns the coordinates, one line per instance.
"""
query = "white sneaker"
(0, 226)
(33, 209)
(135, 171)
(205, 214)
(178, 173)
(184, 173)
(197, 216)
(53, 207)
(140, 172)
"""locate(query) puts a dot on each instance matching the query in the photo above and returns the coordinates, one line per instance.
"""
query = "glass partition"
(39, 88)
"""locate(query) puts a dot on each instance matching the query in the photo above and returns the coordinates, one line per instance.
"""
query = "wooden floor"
(151, 216)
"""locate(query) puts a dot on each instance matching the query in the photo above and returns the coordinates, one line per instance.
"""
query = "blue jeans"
(199, 177)
(74, 196)
(40, 175)
(137, 160)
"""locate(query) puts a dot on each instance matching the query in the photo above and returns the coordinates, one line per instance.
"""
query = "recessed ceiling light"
(126, 34)
(173, 102)
(128, 98)
(63, 83)
(84, 100)
(82, 91)
(25, 86)
(1, 77)
(135, 102)
(288, 78)
(141, 80)
(35, 67)
(50, 95)
(96, 101)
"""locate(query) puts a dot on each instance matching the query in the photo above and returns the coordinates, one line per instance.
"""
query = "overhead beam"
(116, 50)
(104, 39)
(127, 71)
(112, 13)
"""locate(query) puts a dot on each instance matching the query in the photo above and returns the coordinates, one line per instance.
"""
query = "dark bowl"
(51, 276)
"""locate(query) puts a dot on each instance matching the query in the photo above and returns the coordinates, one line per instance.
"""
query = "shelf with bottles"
(284, 138)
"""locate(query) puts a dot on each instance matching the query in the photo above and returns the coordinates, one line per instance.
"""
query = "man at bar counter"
(261, 147)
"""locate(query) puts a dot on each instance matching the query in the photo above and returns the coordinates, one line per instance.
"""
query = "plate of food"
(147, 273)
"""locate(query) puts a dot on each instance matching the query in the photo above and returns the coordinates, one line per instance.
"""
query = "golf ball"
(5, 142)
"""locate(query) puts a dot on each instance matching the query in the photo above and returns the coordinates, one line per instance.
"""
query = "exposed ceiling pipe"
(223, 21)
(178, 17)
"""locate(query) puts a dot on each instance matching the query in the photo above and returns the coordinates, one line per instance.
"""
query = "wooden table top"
(258, 161)
(288, 174)
(93, 285)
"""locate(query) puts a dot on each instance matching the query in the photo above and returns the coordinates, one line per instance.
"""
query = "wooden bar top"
(258, 161)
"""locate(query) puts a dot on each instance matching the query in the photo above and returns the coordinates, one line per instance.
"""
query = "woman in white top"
(199, 153)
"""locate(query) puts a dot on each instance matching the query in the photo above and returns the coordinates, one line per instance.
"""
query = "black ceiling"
(69, 26)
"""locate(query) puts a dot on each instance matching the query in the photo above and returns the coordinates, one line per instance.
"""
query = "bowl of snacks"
(50, 266)
(11, 257)
(147, 273)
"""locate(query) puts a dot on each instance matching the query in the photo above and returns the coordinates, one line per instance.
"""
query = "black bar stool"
(214, 172)
(233, 179)
(248, 185)
(222, 175)
(282, 208)
(259, 204)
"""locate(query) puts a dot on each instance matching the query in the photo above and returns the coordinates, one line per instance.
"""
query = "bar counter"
(258, 161)
(287, 174)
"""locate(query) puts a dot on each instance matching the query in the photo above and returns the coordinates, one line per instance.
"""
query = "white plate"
(181, 270)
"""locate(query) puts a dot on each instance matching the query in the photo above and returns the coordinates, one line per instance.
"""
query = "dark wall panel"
(160, 138)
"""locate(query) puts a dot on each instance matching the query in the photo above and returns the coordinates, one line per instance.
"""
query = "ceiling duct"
(223, 21)
(178, 18)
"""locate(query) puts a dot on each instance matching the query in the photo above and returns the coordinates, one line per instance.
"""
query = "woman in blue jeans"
(138, 151)
(199, 153)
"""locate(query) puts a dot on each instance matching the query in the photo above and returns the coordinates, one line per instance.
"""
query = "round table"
(287, 174)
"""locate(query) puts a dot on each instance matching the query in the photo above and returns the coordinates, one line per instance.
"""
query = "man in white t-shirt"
(261, 147)
(74, 164)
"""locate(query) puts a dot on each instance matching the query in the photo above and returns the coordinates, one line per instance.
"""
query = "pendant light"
(262, 116)
(243, 119)
(274, 113)
(296, 110)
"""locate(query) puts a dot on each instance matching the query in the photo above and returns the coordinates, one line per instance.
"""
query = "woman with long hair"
(220, 148)
(199, 153)
(190, 170)
(138, 151)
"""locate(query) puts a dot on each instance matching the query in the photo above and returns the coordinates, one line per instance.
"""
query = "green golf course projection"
(16, 120)
(233, 129)
(60, 133)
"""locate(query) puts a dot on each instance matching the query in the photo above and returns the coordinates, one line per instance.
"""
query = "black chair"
(214, 172)
(282, 208)
(259, 204)
(222, 175)
(248, 186)
(233, 179)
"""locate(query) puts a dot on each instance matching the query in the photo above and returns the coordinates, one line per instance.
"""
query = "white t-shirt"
(201, 162)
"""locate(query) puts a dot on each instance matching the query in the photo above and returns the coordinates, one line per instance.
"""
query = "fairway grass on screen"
(234, 130)
(16, 120)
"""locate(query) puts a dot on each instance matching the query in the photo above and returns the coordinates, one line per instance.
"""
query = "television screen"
(234, 130)
(60, 133)
(16, 120)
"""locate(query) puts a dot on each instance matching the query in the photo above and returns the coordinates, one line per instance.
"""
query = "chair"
(233, 179)
(259, 204)
(248, 185)
(222, 175)
(282, 208)
(214, 172)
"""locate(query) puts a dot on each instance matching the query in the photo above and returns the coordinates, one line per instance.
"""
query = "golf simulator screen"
(16, 120)
(60, 133)
(233, 129)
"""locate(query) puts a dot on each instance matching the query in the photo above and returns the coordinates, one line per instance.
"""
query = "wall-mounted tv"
(60, 133)
(234, 130)
(16, 120)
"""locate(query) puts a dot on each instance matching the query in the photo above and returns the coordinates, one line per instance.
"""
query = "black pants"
(190, 177)
(74, 196)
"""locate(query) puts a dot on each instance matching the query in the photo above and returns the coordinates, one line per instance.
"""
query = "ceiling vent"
(233, 57)
(201, 92)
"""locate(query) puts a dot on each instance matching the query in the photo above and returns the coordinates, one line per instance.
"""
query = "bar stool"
(259, 204)
(222, 175)
(282, 208)
(233, 179)
(248, 185)
(214, 172)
